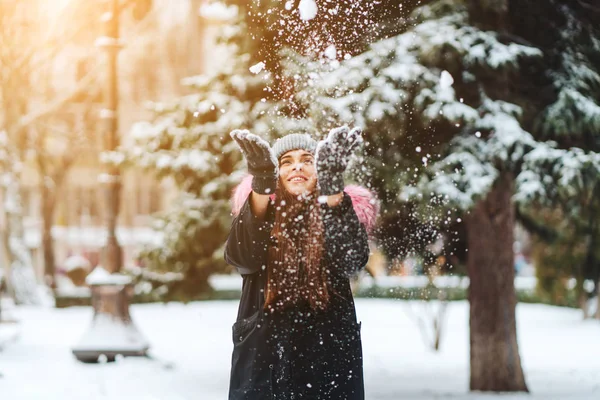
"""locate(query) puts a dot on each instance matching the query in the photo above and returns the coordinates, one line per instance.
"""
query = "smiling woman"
(297, 173)
(296, 240)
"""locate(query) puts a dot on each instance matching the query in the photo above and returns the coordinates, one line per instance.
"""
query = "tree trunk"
(581, 294)
(591, 265)
(494, 351)
(586, 269)
(21, 278)
(47, 212)
(7, 258)
(112, 252)
(598, 299)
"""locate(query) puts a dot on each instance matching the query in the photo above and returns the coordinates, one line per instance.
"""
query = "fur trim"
(364, 202)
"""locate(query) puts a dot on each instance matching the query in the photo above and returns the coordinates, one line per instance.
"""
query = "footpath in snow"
(191, 346)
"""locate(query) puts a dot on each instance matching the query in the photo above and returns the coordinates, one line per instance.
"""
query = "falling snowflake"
(331, 52)
(308, 9)
(256, 68)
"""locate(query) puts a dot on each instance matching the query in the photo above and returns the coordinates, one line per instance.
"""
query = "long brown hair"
(295, 269)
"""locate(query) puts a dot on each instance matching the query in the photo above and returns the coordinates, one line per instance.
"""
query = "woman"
(296, 240)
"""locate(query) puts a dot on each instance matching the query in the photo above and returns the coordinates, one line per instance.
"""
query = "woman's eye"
(309, 162)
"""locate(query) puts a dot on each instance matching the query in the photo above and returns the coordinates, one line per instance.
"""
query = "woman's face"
(297, 172)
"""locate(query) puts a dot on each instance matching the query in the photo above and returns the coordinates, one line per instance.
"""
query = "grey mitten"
(262, 164)
(332, 156)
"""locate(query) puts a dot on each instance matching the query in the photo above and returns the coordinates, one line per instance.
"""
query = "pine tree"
(559, 198)
(444, 129)
(188, 139)
(188, 142)
(457, 118)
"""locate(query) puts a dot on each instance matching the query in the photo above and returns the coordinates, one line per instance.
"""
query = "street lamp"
(111, 178)
(112, 331)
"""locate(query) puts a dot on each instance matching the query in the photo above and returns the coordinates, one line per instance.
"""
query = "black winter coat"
(297, 353)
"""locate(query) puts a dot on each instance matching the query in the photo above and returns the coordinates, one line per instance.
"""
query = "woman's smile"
(297, 172)
(298, 178)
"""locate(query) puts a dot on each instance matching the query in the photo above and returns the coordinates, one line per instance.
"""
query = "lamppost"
(112, 332)
(111, 178)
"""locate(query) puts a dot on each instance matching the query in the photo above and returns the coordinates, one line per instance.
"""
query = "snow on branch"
(552, 175)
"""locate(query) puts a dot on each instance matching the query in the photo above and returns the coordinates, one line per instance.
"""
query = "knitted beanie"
(294, 141)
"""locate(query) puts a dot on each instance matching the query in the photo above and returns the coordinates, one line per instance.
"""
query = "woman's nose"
(298, 166)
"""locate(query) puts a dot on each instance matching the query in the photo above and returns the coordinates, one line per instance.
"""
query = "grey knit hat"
(294, 141)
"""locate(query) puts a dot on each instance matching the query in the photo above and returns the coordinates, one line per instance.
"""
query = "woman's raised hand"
(261, 161)
(332, 156)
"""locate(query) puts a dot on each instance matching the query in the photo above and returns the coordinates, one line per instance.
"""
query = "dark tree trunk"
(6, 253)
(592, 262)
(589, 267)
(47, 212)
(598, 299)
(495, 360)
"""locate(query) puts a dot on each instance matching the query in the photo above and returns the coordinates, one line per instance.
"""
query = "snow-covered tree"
(455, 111)
(445, 129)
(559, 196)
(20, 276)
(188, 139)
(33, 113)
(188, 142)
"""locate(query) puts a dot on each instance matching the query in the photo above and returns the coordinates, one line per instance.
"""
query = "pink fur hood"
(364, 202)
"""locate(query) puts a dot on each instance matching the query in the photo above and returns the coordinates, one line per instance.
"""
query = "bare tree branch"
(85, 83)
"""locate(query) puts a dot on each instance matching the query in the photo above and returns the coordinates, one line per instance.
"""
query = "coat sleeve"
(346, 239)
(247, 243)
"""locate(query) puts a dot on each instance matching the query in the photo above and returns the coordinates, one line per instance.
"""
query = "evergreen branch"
(544, 232)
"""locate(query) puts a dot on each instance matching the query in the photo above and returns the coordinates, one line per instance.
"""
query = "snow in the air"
(257, 68)
(191, 350)
(308, 9)
(331, 52)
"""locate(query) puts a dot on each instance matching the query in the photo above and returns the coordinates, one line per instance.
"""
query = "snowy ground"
(191, 345)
